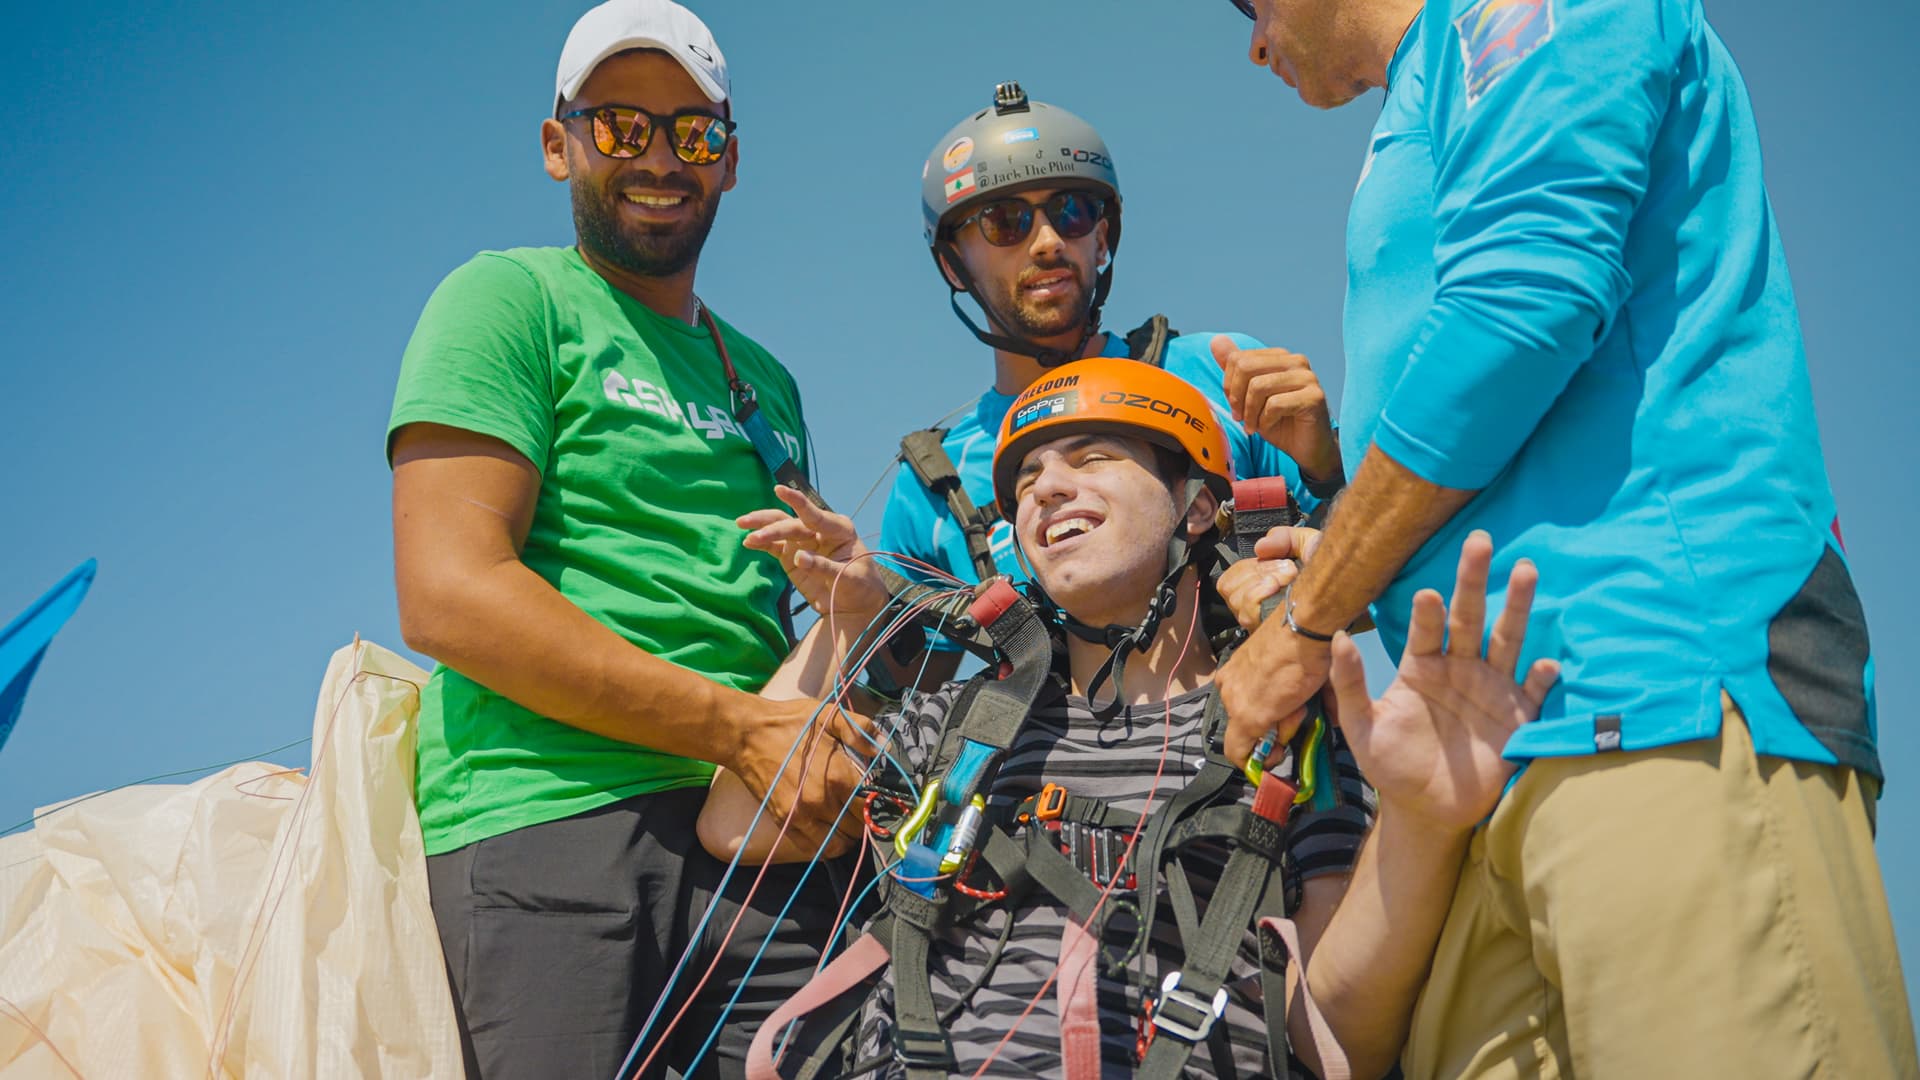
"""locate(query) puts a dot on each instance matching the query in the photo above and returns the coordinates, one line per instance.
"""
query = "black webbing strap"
(919, 1039)
(1214, 775)
(835, 1044)
(1210, 953)
(990, 713)
(1147, 342)
(930, 462)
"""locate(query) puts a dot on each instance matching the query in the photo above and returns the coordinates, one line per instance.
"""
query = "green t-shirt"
(628, 417)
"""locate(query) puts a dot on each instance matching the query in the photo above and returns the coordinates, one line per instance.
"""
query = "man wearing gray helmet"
(1021, 205)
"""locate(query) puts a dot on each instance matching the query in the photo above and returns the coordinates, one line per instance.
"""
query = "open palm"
(1431, 744)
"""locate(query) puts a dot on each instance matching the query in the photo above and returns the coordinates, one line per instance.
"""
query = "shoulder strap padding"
(1148, 341)
(924, 453)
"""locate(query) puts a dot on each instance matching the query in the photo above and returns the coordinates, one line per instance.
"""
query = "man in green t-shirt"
(567, 472)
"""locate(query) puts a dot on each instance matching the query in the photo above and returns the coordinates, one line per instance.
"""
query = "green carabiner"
(916, 821)
(1309, 762)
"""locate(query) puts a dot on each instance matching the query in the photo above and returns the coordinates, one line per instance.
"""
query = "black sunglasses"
(1006, 222)
(623, 131)
(1246, 8)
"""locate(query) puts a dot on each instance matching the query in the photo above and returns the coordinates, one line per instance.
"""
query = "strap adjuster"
(1185, 1015)
(922, 1049)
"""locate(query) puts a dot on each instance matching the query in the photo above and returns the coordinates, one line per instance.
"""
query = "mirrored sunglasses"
(623, 131)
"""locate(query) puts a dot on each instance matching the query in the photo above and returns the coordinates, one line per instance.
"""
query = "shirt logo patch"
(1495, 35)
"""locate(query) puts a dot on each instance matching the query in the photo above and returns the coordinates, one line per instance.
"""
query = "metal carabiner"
(1306, 761)
(965, 832)
(916, 821)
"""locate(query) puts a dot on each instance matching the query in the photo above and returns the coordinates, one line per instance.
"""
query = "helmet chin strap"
(1048, 357)
(1124, 640)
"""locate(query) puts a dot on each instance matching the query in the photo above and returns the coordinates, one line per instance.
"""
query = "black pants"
(559, 939)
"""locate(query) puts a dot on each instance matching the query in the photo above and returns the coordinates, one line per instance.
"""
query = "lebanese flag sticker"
(959, 185)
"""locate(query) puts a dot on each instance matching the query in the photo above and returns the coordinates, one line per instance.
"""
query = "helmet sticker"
(1019, 135)
(958, 154)
(959, 185)
(1045, 408)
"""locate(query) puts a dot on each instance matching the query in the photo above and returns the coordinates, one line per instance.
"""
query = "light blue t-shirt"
(920, 525)
(1566, 290)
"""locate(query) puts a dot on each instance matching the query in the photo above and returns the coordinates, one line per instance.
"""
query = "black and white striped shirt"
(1064, 743)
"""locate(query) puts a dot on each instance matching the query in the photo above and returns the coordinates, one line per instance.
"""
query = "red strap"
(1333, 1060)
(1079, 1011)
(1261, 493)
(848, 970)
(1273, 799)
(993, 602)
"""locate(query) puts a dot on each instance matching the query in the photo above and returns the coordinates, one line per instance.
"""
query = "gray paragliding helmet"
(1013, 146)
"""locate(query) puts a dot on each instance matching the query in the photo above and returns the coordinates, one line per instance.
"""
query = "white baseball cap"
(619, 25)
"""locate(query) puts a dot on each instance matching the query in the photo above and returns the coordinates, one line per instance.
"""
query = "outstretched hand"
(821, 553)
(1431, 744)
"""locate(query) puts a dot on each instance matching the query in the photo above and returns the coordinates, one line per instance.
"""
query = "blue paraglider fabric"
(24, 641)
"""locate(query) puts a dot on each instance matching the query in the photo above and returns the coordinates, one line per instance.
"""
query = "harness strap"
(1147, 342)
(928, 458)
(1214, 775)
(852, 967)
(1280, 939)
(1075, 990)
(919, 1039)
(1192, 997)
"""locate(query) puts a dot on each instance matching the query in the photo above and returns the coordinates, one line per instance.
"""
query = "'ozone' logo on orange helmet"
(1113, 396)
(1153, 404)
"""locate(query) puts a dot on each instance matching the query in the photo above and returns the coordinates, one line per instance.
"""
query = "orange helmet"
(1113, 396)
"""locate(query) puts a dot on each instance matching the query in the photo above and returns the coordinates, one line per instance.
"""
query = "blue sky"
(221, 222)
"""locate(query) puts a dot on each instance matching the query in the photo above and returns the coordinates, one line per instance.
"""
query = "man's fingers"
(1427, 629)
(760, 519)
(1467, 617)
(816, 519)
(1540, 679)
(1294, 542)
(785, 531)
(1278, 409)
(1235, 379)
(1348, 677)
(1510, 629)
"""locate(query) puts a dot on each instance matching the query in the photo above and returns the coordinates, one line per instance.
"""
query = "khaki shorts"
(1692, 910)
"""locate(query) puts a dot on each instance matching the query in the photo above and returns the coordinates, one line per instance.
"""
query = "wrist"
(1290, 615)
(729, 718)
(1421, 831)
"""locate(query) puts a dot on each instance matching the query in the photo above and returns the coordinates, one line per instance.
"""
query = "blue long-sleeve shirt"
(1567, 292)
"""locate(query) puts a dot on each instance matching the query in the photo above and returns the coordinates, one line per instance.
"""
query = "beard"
(646, 250)
(1053, 318)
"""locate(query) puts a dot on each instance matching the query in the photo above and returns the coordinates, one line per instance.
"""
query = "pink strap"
(862, 958)
(1333, 1060)
(1077, 995)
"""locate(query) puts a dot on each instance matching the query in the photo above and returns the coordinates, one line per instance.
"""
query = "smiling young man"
(1022, 211)
(568, 463)
(1108, 503)
(1569, 323)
